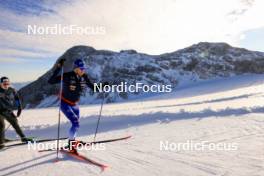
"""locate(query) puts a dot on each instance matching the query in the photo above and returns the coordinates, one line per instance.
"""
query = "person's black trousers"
(11, 118)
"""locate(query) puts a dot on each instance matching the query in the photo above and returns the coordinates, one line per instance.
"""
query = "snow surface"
(223, 110)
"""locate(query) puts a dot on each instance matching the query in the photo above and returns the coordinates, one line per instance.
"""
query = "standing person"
(74, 84)
(9, 101)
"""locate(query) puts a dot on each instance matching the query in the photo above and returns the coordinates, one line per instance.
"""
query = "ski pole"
(100, 114)
(59, 118)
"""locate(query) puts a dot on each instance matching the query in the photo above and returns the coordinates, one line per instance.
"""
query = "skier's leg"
(77, 117)
(75, 125)
(2, 130)
(11, 118)
(76, 111)
(74, 119)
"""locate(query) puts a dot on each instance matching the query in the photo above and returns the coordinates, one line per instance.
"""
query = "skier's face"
(5, 84)
(79, 71)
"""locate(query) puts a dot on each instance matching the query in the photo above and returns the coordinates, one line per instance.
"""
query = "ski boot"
(25, 139)
(73, 145)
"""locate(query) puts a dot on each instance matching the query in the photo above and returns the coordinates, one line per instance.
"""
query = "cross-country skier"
(9, 101)
(74, 84)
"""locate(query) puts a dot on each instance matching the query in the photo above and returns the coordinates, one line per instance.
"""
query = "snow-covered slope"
(203, 61)
(227, 111)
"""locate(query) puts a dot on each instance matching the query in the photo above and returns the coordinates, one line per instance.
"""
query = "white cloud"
(23, 54)
(11, 60)
(149, 26)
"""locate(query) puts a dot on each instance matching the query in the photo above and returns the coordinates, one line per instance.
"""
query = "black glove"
(19, 111)
(61, 62)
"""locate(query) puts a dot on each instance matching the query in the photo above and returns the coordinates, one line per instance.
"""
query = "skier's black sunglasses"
(6, 83)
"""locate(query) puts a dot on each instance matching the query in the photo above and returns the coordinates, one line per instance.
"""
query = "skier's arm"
(18, 102)
(17, 99)
(54, 77)
(88, 82)
(2, 102)
(91, 85)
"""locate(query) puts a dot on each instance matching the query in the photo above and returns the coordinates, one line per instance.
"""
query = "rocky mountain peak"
(197, 62)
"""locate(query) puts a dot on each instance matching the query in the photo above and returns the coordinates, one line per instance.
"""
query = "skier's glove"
(61, 62)
(19, 111)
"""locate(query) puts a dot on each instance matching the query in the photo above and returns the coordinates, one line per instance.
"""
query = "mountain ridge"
(200, 61)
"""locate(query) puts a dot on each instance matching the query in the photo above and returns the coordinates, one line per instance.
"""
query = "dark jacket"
(73, 85)
(9, 99)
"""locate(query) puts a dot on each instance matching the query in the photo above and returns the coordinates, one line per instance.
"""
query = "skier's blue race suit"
(73, 87)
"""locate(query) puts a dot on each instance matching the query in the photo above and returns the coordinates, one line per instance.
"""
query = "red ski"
(91, 143)
(76, 155)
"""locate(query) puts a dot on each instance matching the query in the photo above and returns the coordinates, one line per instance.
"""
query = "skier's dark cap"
(4, 79)
(79, 63)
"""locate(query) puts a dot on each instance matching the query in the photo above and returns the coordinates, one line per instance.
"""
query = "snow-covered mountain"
(198, 62)
(19, 85)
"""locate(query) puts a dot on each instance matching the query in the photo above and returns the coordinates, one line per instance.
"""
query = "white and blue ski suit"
(73, 88)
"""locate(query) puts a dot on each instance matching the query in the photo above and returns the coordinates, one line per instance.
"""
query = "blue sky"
(148, 26)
